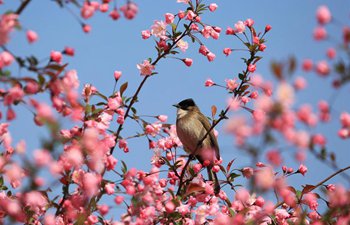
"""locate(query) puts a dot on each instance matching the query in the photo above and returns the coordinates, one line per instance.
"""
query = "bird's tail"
(215, 180)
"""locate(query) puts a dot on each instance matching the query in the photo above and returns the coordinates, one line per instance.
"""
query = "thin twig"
(22, 7)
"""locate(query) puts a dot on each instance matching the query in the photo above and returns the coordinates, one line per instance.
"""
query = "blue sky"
(117, 45)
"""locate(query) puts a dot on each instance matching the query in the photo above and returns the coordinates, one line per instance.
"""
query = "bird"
(191, 127)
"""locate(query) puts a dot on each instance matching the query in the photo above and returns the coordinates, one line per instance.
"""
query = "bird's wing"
(206, 124)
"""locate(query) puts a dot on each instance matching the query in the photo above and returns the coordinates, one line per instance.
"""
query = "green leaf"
(228, 167)
(101, 95)
(123, 87)
(124, 167)
(41, 79)
(133, 110)
(307, 188)
(241, 76)
(173, 27)
(232, 176)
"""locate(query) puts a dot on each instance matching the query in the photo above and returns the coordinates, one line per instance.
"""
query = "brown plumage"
(191, 126)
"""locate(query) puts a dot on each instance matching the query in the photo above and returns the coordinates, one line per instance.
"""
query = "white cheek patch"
(181, 113)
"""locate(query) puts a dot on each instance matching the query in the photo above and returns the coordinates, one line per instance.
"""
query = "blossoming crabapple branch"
(313, 187)
(134, 97)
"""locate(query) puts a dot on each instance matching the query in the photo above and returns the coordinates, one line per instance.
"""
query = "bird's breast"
(190, 131)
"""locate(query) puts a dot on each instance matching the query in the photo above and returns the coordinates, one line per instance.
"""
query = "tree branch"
(22, 7)
(320, 183)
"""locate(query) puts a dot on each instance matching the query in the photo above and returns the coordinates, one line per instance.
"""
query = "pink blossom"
(274, 157)
(231, 84)
(181, 14)
(169, 207)
(331, 53)
(91, 183)
(213, 7)
(322, 68)
(114, 14)
(331, 187)
(87, 10)
(194, 27)
(256, 40)
(104, 7)
(169, 18)
(323, 15)
(285, 93)
(35, 201)
(86, 28)
(264, 177)
(14, 174)
(183, 1)
(32, 36)
(227, 51)
(56, 56)
(299, 83)
(344, 133)
(42, 157)
(314, 215)
(117, 74)
(14, 95)
(310, 199)
(320, 33)
(307, 65)
(190, 15)
(239, 27)
(118, 199)
(10, 114)
(111, 162)
(103, 209)
(109, 188)
(302, 169)
(158, 29)
(8, 21)
(69, 51)
(6, 59)
(114, 103)
(145, 34)
(252, 68)
(254, 95)
(211, 56)
(267, 28)
(249, 22)
(247, 172)
(345, 119)
(203, 50)
(229, 31)
(187, 61)
(145, 68)
(281, 214)
(209, 83)
(92, 219)
(182, 45)
(262, 47)
(319, 139)
(130, 10)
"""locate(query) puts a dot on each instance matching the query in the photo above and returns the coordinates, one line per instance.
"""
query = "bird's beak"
(176, 106)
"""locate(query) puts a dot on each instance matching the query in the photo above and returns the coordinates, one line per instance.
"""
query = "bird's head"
(186, 106)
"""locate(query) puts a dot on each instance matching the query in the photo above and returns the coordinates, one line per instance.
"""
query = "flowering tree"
(84, 182)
